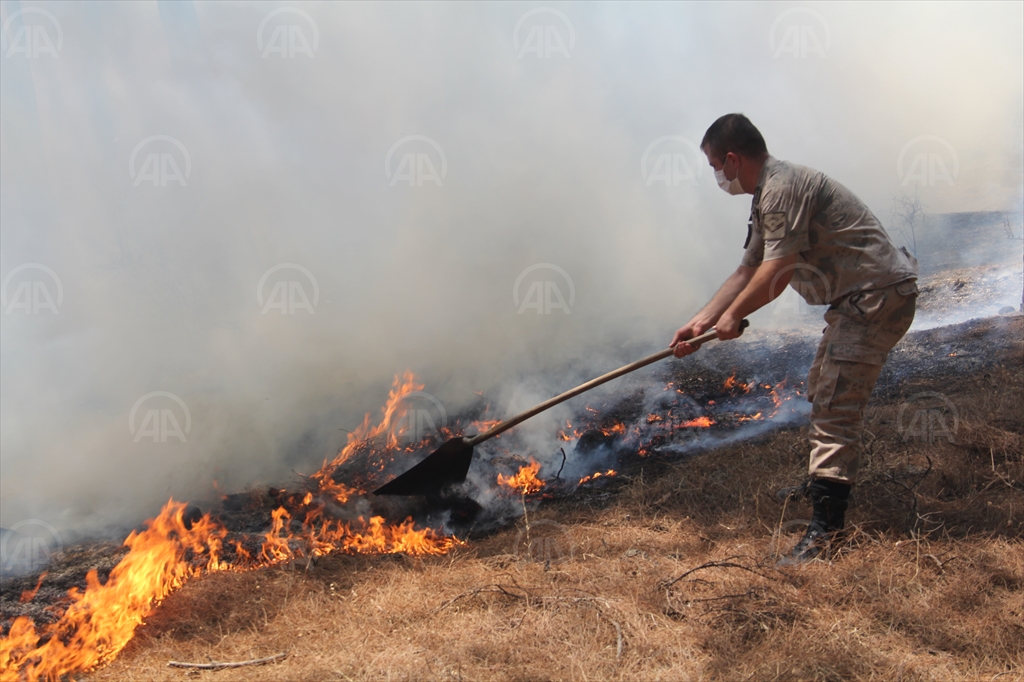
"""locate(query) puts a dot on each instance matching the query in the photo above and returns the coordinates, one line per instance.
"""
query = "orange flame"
(569, 433)
(525, 481)
(400, 388)
(613, 429)
(699, 422)
(731, 383)
(102, 619)
(482, 425)
(597, 474)
(29, 595)
(378, 538)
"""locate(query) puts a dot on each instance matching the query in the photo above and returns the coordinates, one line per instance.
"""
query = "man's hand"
(694, 327)
(708, 315)
(728, 326)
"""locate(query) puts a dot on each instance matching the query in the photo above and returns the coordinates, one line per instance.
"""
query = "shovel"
(448, 465)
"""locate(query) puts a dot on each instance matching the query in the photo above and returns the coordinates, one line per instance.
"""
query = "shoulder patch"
(774, 225)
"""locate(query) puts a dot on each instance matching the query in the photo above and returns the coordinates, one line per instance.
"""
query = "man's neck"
(750, 172)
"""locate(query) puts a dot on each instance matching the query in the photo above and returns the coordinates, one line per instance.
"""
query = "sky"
(226, 226)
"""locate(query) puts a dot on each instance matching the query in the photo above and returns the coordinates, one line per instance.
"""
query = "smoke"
(275, 129)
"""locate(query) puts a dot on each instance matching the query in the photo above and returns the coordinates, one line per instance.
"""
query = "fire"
(400, 388)
(699, 422)
(337, 491)
(773, 393)
(482, 425)
(102, 619)
(598, 474)
(614, 429)
(525, 481)
(29, 595)
(378, 538)
(731, 383)
(739, 401)
(569, 433)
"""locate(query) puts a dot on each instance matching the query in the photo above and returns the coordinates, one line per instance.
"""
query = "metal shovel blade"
(444, 467)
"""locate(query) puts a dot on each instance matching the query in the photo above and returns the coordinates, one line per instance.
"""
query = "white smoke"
(286, 165)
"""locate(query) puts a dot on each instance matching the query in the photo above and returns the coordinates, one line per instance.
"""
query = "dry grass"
(672, 579)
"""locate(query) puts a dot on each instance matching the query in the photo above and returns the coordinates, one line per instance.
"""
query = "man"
(807, 230)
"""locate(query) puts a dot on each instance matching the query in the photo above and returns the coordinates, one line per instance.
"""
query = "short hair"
(734, 133)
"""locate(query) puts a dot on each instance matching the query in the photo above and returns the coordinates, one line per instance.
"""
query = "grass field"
(670, 575)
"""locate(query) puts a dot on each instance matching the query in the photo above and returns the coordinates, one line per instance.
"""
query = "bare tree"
(908, 211)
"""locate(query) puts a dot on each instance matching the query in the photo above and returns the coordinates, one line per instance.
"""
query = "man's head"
(734, 147)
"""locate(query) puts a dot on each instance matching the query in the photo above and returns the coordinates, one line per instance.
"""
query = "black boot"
(830, 501)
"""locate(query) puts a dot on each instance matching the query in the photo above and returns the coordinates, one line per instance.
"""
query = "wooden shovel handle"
(632, 367)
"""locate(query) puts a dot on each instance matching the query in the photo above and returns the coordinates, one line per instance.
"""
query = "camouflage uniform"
(844, 259)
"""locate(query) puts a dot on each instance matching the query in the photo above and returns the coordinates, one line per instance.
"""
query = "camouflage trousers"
(862, 329)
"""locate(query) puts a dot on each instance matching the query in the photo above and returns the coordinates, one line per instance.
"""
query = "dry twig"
(216, 665)
(725, 563)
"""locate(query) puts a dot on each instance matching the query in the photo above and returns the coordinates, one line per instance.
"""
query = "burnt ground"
(926, 371)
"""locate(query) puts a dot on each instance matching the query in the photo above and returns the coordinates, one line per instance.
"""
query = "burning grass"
(91, 624)
(666, 572)
(669, 574)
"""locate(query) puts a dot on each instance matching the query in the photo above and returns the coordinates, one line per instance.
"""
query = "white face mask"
(731, 186)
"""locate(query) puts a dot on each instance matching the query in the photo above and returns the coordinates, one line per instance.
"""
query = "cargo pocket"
(856, 341)
(864, 306)
(856, 336)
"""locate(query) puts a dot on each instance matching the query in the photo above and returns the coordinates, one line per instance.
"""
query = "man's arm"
(769, 280)
(746, 290)
(709, 314)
